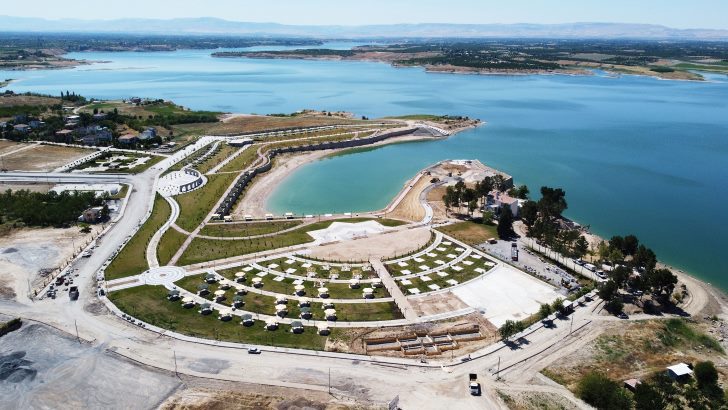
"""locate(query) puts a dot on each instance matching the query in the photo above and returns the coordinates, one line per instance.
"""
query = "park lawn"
(196, 205)
(170, 243)
(242, 161)
(247, 228)
(155, 159)
(470, 232)
(122, 192)
(203, 250)
(223, 151)
(132, 259)
(149, 304)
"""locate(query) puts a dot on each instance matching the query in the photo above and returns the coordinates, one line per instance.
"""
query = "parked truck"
(73, 292)
(474, 385)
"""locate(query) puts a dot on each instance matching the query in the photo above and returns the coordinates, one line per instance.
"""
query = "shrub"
(603, 393)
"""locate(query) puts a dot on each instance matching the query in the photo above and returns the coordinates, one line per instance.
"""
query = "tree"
(614, 305)
(505, 223)
(620, 275)
(647, 397)
(662, 281)
(510, 328)
(552, 202)
(558, 305)
(520, 192)
(581, 247)
(631, 243)
(603, 393)
(644, 258)
(472, 206)
(529, 213)
(706, 374)
(544, 311)
(488, 217)
(608, 290)
(105, 212)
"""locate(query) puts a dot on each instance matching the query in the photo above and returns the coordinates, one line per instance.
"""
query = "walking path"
(399, 298)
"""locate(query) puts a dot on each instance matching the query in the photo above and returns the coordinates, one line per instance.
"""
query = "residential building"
(149, 133)
(497, 200)
(128, 139)
(91, 215)
(99, 116)
(24, 128)
(64, 135)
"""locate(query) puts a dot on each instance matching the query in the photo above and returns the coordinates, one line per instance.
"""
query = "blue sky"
(673, 13)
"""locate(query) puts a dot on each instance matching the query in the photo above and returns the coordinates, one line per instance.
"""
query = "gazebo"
(238, 301)
(281, 310)
(377, 282)
(304, 302)
(210, 278)
(240, 277)
(247, 320)
(219, 295)
(306, 313)
(296, 327)
(323, 329)
(225, 315)
(205, 309)
(354, 283)
(271, 324)
(225, 284)
(188, 302)
(368, 293)
(300, 290)
(173, 295)
(323, 292)
(257, 282)
(330, 314)
(240, 290)
(203, 290)
(281, 300)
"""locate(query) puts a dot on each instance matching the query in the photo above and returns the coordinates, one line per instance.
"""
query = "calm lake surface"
(635, 155)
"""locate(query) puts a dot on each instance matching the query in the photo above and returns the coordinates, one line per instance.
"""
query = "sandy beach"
(254, 201)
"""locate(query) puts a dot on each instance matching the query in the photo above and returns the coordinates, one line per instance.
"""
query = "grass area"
(318, 269)
(122, 192)
(716, 68)
(170, 243)
(195, 205)
(149, 303)
(223, 151)
(242, 161)
(154, 108)
(436, 257)
(247, 228)
(636, 348)
(470, 232)
(132, 259)
(178, 166)
(202, 250)
(440, 278)
(258, 123)
(258, 303)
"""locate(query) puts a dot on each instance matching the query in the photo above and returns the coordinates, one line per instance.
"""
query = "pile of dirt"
(41, 367)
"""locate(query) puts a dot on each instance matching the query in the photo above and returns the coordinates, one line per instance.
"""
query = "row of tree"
(45, 209)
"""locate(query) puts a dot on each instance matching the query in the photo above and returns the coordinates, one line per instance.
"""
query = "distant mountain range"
(214, 26)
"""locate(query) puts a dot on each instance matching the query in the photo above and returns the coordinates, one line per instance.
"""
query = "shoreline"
(255, 200)
(706, 295)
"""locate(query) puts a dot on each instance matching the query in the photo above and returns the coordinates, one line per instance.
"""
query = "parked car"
(253, 350)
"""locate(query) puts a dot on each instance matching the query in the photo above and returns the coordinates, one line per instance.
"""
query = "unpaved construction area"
(219, 395)
(42, 158)
(383, 246)
(41, 368)
(437, 303)
(25, 252)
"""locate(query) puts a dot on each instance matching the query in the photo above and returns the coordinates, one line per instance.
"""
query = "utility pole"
(77, 336)
(329, 380)
(175, 363)
(571, 327)
(497, 372)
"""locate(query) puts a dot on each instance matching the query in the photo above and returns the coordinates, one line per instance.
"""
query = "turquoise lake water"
(635, 155)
